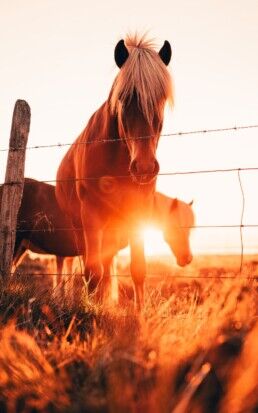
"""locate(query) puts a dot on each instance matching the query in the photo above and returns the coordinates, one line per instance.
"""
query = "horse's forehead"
(188, 215)
(184, 213)
(133, 111)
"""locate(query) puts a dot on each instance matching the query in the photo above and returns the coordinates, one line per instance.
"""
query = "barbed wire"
(51, 230)
(151, 275)
(183, 133)
(92, 178)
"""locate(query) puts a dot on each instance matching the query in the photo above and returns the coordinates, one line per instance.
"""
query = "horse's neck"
(102, 125)
(160, 209)
(111, 123)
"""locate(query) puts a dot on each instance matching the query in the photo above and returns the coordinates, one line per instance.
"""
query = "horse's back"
(38, 200)
(43, 223)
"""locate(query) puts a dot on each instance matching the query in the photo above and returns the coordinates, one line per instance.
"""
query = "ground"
(192, 350)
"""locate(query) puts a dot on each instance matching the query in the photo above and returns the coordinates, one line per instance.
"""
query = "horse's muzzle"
(144, 173)
(184, 260)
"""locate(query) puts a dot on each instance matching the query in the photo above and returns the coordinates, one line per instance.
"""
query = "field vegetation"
(192, 350)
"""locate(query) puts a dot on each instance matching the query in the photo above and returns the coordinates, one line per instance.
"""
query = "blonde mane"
(144, 74)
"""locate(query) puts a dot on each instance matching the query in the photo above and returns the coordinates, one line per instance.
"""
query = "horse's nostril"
(144, 169)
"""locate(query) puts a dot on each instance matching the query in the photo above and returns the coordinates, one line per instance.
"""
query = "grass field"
(192, 350)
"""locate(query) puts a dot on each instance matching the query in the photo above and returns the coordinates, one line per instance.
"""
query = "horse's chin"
(143, 179)
(183, 262)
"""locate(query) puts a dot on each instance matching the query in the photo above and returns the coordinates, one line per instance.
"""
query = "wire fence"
(238, 171)
(172, 173)
(158, 275)
(115, 140)
(51, 230)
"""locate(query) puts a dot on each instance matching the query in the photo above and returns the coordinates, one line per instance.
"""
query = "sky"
(58, 56)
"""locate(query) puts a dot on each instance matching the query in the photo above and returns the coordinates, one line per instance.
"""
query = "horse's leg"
(19, 252)
(138, 267)
(106, 279)
(109, 249)
(58, 277)
(114, 280)
(92, 229)
(69, 278)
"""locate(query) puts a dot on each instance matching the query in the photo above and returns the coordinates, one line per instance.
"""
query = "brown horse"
(120, 140)
(43, 228)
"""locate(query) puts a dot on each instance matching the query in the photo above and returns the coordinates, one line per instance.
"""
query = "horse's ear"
(165, 52)
(174, 203)
(121, 53)
(191, 203)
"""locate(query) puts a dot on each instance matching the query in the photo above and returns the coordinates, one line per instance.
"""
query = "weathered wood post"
(13, 188)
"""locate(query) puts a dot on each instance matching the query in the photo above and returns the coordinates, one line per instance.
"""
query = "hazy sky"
(58, 55)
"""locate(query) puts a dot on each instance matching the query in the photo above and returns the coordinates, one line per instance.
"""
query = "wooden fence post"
(13, 188)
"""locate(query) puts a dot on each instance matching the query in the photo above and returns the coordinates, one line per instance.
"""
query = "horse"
(120, 140)
(44, 229)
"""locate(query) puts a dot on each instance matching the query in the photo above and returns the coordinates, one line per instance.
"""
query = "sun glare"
(154, 243)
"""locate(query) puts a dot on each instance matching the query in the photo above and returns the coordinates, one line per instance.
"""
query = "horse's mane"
(145, 75)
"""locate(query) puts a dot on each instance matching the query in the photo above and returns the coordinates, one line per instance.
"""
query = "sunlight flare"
(154, 243)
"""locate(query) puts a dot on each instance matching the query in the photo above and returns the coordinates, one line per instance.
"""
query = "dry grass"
(192, 350)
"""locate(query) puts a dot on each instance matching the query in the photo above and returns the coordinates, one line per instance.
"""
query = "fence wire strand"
(183, 133)
(53, 230)
(90, 178)
(158, 275)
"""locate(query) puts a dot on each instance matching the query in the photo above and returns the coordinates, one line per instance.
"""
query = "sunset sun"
(154, 243)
